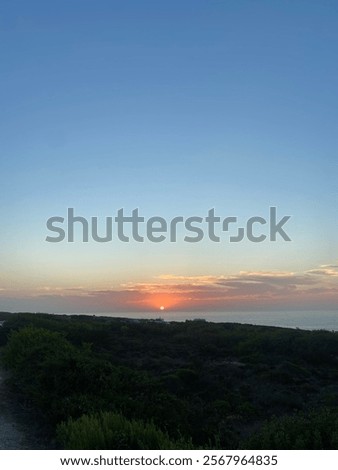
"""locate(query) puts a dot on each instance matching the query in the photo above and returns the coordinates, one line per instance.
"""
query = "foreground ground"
(179, 385)
(17, 428)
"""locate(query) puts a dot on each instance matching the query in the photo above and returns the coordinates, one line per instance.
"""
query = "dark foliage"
(214, 385)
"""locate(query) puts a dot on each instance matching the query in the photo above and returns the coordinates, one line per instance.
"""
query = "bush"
(315, 430)
(59, 378)
(113, 431)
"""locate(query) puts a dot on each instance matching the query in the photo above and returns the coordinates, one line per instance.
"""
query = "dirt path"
(16, 428)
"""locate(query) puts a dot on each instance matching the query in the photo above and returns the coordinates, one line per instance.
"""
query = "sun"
(161, 308)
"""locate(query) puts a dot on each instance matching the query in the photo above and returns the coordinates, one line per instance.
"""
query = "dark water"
(309, 320)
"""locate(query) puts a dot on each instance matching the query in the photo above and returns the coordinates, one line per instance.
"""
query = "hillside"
(194, 384)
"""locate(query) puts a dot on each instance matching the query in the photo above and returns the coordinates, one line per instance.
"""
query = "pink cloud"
(314, 289)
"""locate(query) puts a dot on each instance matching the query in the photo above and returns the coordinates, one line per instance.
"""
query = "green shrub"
(59, 378)
(302, 431)
(113, 431)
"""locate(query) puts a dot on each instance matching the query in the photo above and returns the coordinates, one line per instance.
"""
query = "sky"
(173, 108)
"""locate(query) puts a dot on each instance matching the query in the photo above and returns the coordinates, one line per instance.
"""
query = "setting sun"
(161, 308)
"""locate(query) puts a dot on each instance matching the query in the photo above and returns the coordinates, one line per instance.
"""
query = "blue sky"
(172, 107)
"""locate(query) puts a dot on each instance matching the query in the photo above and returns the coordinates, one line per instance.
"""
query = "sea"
(305, 320)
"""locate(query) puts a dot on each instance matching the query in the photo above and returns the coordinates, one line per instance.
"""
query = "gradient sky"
(175, 108)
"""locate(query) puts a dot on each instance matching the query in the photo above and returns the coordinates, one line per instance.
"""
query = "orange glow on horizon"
(164, 301)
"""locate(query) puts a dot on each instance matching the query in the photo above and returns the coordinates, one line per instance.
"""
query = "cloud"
(330, 270)
(246, 290)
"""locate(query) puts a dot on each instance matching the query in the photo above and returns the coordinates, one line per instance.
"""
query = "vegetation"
(113, 431)
(100, 382)
(314, 430)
